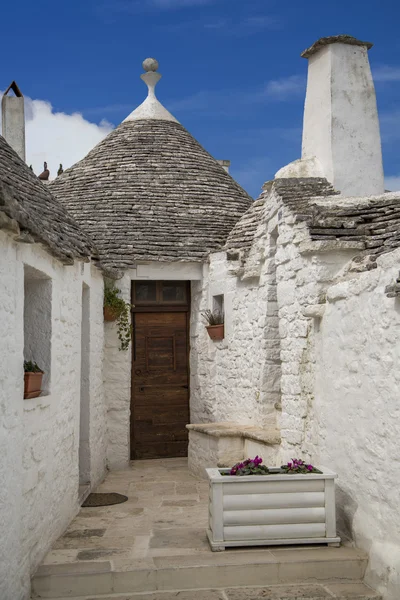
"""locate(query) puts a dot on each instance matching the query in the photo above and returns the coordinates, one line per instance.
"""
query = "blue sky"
(232, 72)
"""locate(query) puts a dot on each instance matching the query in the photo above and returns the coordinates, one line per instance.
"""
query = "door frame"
(157, 308)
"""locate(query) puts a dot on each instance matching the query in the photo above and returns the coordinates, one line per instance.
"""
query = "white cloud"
(392, 183)
(57, 137)
(390, 126)
(285, 87)
(385, 73)
(234, 101)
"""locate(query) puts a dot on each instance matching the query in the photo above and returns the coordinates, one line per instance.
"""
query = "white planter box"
(262, 510)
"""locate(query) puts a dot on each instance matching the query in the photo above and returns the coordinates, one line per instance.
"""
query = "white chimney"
(13, 119)
(341, 126)
(225, 164)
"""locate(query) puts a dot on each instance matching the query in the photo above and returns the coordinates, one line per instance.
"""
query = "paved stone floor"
(163, 526)
(165, 515)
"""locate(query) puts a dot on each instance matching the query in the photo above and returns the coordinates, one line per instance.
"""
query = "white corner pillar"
(341, 126)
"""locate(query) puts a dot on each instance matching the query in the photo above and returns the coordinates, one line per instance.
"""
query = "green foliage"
(122, 310)
(31, 367)
(213, 317)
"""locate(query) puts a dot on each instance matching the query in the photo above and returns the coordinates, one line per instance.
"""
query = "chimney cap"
(13, 86)
(334, 39)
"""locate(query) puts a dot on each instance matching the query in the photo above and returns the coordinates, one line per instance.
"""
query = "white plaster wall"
(358, 412)
(238, 379)
(117, 387)
(14, 566)
(40, 437)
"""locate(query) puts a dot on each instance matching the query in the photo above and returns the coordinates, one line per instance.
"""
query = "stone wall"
(357, 409)
(339, 352)
(238, 379)
(39, 470)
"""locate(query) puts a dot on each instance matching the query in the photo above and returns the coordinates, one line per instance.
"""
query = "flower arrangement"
(121, 313)
(254, 466)
(297, 466)
(250, 466)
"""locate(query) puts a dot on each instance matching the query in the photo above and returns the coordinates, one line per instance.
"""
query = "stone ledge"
(227, 429)
(320, 246)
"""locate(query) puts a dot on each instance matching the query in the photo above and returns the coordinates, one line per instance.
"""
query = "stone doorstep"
(324, 590)
(345, 565)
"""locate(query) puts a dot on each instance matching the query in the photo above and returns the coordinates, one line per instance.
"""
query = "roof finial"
(151, 108)
(151, 77)
(150, 64)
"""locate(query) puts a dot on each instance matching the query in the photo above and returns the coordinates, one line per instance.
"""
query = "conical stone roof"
(26, 201)
(150, 192)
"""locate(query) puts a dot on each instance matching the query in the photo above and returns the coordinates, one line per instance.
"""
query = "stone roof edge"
(334, 39)
(10, 222)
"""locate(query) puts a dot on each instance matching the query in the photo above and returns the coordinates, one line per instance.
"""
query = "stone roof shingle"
(149, 191)
(26, 200)
(372, 224)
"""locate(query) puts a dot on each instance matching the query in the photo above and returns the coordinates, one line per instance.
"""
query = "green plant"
(121, 309)
(31, 367)
(213, 317)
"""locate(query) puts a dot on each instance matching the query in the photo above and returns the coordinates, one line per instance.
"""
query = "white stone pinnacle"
(151, 108)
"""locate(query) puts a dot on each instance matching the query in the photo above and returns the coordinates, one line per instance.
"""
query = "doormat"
(104, 499)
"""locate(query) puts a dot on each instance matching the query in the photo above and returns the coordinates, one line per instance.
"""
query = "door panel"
(160, 385)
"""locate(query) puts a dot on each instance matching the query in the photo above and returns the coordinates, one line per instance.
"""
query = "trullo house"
(307, 277)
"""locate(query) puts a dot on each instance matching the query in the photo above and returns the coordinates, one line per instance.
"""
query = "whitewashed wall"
(39, 438)
(238, 379)
(358, 413)
(339, 338)
(118, 364)
(117, 389)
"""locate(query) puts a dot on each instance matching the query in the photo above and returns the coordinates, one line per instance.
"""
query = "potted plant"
(32, 380)
(215, 327)
(116, 309)
(255, 505)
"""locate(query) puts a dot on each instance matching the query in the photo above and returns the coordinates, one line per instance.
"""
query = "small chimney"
(225, 164)
(13, 119)
(341, 126)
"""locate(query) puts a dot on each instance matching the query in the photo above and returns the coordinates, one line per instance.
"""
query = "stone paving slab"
(324, 591)
(157, 541)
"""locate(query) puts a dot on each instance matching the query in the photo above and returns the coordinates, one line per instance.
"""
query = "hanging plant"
(116, 309)
(215, 327)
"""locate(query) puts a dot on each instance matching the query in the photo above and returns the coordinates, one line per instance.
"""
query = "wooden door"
(160, 385)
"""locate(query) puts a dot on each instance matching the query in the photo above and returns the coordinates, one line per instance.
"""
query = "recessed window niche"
(218, 304)
(37, 321)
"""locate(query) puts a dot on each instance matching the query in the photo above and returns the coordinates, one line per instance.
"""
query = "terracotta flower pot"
(110, 314)
(216, 332)
(32, 385)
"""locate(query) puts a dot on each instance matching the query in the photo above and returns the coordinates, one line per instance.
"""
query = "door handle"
(186, 387)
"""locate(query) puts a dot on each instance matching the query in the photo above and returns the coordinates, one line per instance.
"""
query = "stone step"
(192, 572)
(320, 591)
